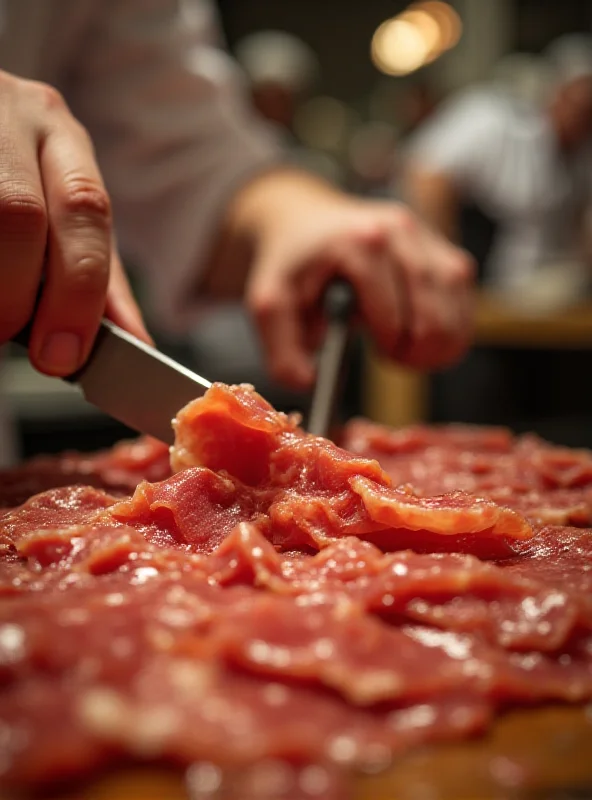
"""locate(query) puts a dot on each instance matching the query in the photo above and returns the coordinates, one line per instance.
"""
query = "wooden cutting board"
(545, 754)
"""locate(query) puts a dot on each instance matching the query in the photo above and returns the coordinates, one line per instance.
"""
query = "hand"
(413, 286)
(55, 222)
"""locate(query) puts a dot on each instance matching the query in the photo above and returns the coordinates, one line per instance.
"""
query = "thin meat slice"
(117, 470)
(361, 436)
(63, 507)
(195, 509)
(560, 557)
(546, 483)
(311, 490)
(456, 514)
(452, 592)
(139, 669)
(352, 654)
(448, 591)
(281, 598)
(302, 491)
(184, 711)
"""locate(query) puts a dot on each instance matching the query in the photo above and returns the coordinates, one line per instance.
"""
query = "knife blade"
(133, 382)
(339, 306)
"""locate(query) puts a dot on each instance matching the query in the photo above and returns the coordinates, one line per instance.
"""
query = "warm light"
(415, 37)
(446, 18)
(399, 47)
(429, 28)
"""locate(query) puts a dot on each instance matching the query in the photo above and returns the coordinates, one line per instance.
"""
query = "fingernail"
(60, 353)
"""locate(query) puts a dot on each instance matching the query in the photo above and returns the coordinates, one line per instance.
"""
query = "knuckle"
(263, 304)
(404, 219)
(373, 236)
(467, 267)
(421, 275)
(7, 80)
(85, 197)
(90, 277)
(22, 212)
(462, 268)
(51, 99)
(81, 132)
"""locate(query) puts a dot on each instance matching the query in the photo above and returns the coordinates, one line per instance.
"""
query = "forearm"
(253, 208)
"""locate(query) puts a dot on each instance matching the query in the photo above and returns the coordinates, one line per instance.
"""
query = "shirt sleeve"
(168, 113)
(456, 140)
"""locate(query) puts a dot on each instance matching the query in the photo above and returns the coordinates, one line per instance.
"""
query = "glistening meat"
(280, 597)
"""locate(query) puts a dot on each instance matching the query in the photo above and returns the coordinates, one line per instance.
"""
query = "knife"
(132, 382)
(339, 306)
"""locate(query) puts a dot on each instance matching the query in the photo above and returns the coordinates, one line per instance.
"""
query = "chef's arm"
(205, 201)
(434, 196)
(279, 191)
(286, 233)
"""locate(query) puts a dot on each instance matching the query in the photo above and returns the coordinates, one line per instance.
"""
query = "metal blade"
(339, 307)
(328, 374)
(136, 384)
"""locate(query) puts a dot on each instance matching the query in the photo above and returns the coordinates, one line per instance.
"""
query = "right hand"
(55, 222)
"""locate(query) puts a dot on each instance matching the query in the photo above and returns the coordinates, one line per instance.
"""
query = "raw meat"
(118, 470)
(549, 484)
(278, 597)
(143, 650)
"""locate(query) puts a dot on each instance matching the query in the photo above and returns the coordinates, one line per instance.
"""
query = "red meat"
(280, 598)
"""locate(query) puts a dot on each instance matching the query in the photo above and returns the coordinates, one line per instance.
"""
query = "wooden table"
(543, 754)
(396, 396)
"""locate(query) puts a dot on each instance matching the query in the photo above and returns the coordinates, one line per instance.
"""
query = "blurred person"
(525, 163)
(505, 168)
(373, 159)
(282, 71)
(417, 103)
(206, 204)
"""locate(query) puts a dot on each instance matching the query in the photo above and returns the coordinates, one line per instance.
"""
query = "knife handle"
(339, 301)
(339, 306)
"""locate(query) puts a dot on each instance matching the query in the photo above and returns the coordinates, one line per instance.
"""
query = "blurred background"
(448, 106)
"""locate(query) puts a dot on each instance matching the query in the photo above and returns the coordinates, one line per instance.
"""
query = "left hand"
(413, 286)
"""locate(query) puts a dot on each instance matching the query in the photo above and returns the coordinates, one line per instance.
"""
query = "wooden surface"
(397, 397)
(503, 325)
(543, 754)
(393, 396)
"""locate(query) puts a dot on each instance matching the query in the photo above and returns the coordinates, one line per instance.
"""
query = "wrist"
(253, 211)
(272, 194)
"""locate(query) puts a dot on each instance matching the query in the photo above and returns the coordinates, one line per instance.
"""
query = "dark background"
(340, 32)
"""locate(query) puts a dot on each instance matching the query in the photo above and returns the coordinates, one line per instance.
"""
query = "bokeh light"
(415, 37)
(399, 47)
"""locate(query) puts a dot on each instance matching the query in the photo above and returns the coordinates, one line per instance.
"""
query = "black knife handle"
(339, 301)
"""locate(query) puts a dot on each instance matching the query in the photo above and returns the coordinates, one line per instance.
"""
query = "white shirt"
(168, 113)
(502, 154)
